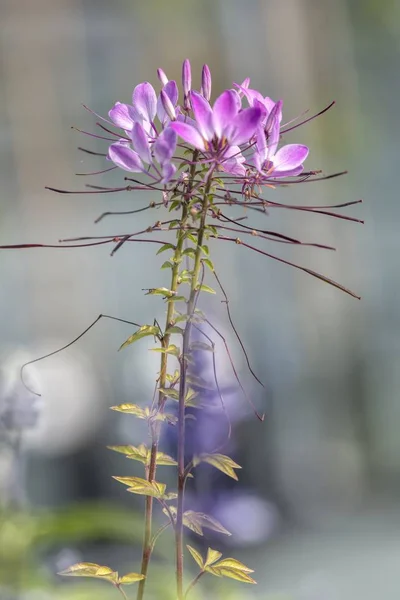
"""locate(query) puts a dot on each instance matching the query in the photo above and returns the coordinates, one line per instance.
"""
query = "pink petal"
(168, 172)
(288, 173)
(165, 145)
(124, 157)
(144, 99)
(225, 110)
(289, 157)
(189, 134)
(203, 115)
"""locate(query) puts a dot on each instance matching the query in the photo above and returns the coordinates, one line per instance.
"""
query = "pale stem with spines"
(154, 428)
(191, 305)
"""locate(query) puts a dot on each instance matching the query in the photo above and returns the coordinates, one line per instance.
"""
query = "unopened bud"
(186, 83)
(167, 105)
(162, 76)
(206, 82)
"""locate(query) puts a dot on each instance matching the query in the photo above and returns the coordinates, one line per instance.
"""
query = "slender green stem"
(191, 305)
(155, 428)
(119, 588)
(193, 583)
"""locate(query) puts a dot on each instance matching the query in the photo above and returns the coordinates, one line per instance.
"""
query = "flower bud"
(162, 76)
(206, 82)
(167, 105)
(186, 83)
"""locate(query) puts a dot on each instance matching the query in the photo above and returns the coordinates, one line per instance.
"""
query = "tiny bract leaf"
(130, 578)
(162, 291)
(142, 332)
(219, 461)
(196, 555)
(85, 569)
(209, 263)
(167, 265)
(212, 557)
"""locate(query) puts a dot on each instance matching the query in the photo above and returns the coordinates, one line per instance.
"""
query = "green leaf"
(212, 557)
(162, 291)
(199, 382)
(85, 569)
(172, 349)
(209, 264)
(142, 332)
(174, 329)
(166, 247)
(130, 578)
(219, 461)
(205, 250)
(131, 409)
(177, 299)
(197, 521)
(140, 486)
(206, 288)
(170, 393)
(192, 238)
(196, 555)
(190, 398)
(167, 265)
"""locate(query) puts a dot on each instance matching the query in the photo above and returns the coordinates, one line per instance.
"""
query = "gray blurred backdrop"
(322, 474)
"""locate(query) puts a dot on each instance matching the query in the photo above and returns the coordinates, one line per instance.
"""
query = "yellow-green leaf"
(197, 521)
(162, 291)
(206, 288)
(165, 460)
(85, 569)
(174, 329)
(231, 573)
(219, 461)
(166, 247)
(201, 346)
(196, 555)
(131, 409)
(170, 393)
(142, 332)
(212, 557)
(137, 485)
(135, 453)
(232, 563)
(172, 349)
(130, 578)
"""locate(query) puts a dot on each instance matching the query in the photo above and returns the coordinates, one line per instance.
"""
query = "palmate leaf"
(227, 567)
(232, 573)
(219, 461)
(143, 331)
(212, 557)
(137, 485)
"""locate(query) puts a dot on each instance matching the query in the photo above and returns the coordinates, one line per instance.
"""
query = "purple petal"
(225, 110)
(120, 115)
(141, 143)
(233, 161)
(269, 104)
(124, 157)
(273, 132)
(288, 173)
(203, 115)
(189, 134)
(262, 150)
(245, 125)
(165, 145)
(162, 76)
(144, 99)
(186, 77)
(289, 157)
(168, 172)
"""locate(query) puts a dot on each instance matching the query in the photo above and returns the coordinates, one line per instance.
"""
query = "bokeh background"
(316, 511)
